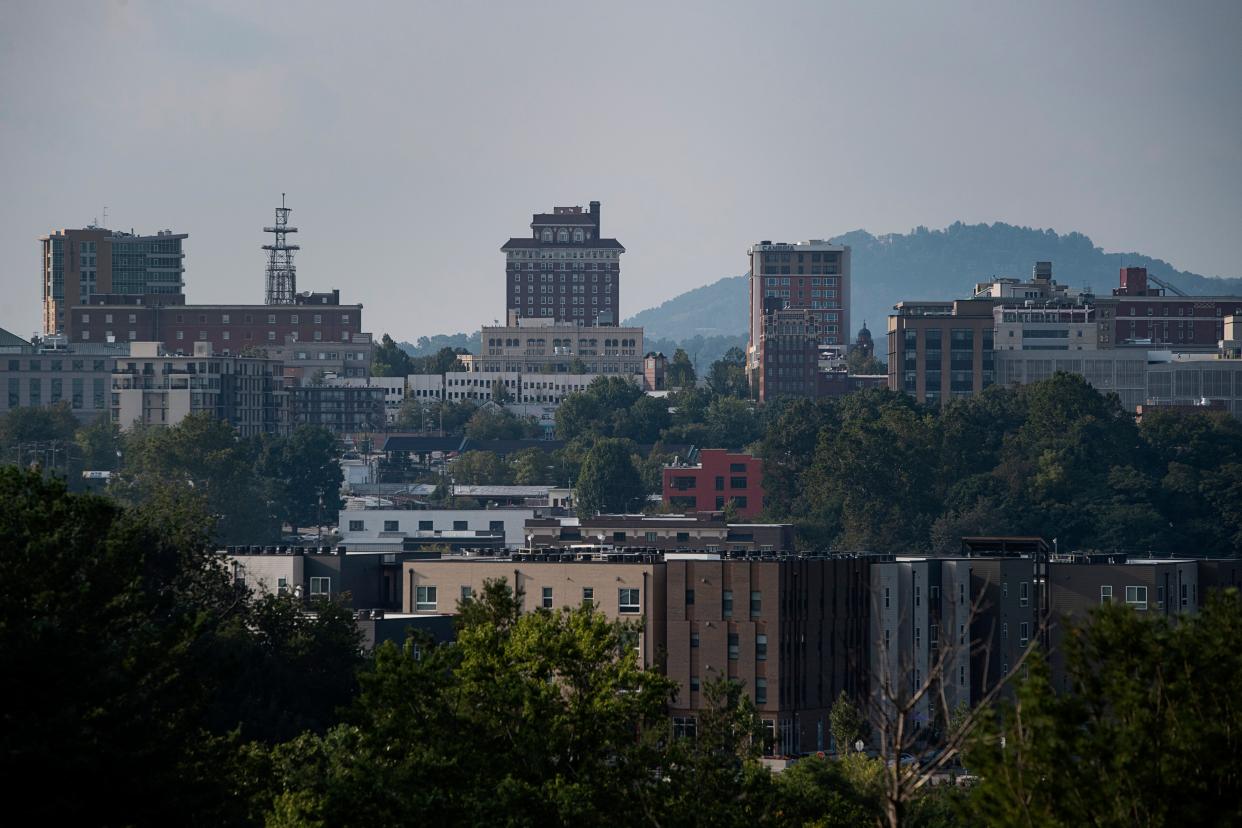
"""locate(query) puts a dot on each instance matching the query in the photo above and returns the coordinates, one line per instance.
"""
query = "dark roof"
(593, 244)
(9, 339)
(511, 446)
(564, 218)
(422, 445)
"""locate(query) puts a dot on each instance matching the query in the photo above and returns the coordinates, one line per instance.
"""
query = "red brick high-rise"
(564, 270)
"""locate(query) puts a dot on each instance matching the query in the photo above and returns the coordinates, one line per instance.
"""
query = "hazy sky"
(414, 139)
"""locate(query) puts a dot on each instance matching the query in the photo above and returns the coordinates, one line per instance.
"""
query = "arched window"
(578, 235)
(562, 235)
(547, 235)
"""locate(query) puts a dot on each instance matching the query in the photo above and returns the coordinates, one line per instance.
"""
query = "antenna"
(105, 221)
(281, 273)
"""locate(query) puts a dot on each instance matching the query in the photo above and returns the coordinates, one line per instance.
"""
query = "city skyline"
(700, 136)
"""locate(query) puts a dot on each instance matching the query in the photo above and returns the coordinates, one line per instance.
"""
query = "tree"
(727, 375)
(306, 473)
(529, 467)
(733, 423)
(480, 468)
(100, 445)
(492, 422)
(500, 394)
(680, 373)
(1149, 732)
(609, 482)
(856, 362)
(847, 724)
(390, 360)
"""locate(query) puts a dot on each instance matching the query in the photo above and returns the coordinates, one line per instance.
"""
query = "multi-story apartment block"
(789, 630)
(814, 275)
(700, 532)
(78, 264)
(520, 388)
(564, 271)
(341, 410)
(49, 371)
(707, 479)
(393, 387)
(544, 346)
(154, 387)
(941, 350)
(390, 527)
(308, 363)
(786, 357)
(229, 329)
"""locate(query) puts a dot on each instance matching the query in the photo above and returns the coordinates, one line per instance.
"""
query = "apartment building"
(812, 275)
(49, 371)
(661, 533)
(941, 350)
(786, 356)
(698, 483)
(79, 264)
(565, 271)
(393, 388)
(315, 321)
(154, 387)
(546, 346)
(520, 388)
(788, 630)
(391, 527)
(340, 409)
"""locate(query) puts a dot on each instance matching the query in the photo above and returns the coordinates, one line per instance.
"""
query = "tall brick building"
(564, 270)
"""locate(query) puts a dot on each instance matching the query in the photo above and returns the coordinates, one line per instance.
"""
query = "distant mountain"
(711, 310)
(928, 264)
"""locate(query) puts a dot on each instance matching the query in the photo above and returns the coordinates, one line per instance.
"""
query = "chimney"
(595, 212)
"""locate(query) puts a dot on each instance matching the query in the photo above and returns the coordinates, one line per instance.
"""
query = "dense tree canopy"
(609, 481)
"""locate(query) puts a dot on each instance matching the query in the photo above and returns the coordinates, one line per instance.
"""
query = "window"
(961, 676)
(459, 526)
(627, 601)
(392, 526)
(694, 640)
(1024, 633)
(282, 586)
(726, 604)
(355, 526)
(321, 586)
(547, 598)
(650, 537)
(887, 597)
(1106, 594)
(425, 599)
(1004, 589)
(756, 603)
(761, 648)
(1160, 597)
(694, 684)
(467, 593)
(737, 482)
(761, 690)
(1136, 596)
(1184, 600)
(1024, 596)
(426, 526)
(689, 597)
(733, 646)
(720, 484)
(918, 596)
(588, 596)
(683, 726)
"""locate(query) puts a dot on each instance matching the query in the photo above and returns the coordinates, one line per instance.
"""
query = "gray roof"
(589, 244)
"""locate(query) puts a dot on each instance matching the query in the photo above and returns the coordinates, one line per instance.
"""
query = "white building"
(374, 527)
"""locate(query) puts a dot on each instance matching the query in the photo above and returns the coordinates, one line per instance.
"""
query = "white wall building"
(392, 526)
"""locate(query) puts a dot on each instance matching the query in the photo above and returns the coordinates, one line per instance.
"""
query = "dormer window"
(578, 236)
(562, 235)
(547, 235)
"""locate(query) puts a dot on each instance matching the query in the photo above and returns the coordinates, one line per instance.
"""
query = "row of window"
(426, 598)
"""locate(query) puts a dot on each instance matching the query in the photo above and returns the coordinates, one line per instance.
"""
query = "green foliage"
(305, 475)
(680, 373)
(480, 468)
(847, 724)
(420, 415)
(33, 425)
(609, 482)
(495, 423)
(530, 467)
(389, 360)
(856, 362)
(727, 376)
(1147, 731)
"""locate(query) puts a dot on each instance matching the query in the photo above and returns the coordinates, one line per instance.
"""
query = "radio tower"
(282, 277)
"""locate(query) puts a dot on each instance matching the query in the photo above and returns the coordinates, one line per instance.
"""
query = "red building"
(1144, 311)
(710, 478)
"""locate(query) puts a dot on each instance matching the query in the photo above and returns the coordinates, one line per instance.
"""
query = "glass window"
(547, 598)
(756, 603)
(1024, 596)
(321, 586)
(1106, 594)
(355, 526)
(425, 599)
(588, 596)
(761, 690)
(726, 604)
(392, 526)
(733, 646)
(694, 640)
(689, 597)
(761, 648)
(1136, 596)
(627, 601)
